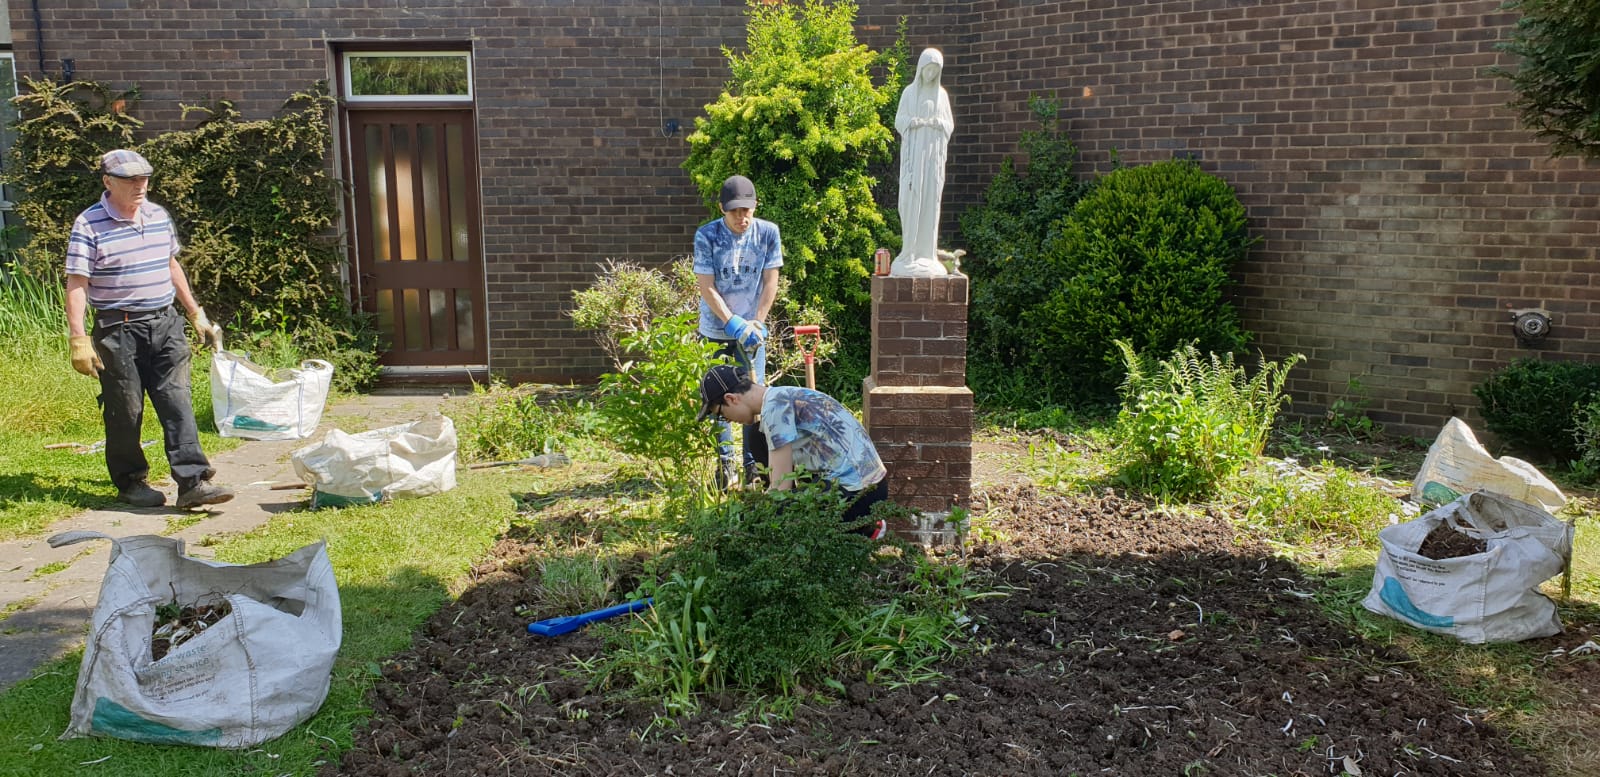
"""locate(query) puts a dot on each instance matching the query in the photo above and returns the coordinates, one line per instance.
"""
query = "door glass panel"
(411, 308)
(440, 329)
(385, 301)
(428, 156)
(378, 187)
(457, 152)
(405, 191)
(430, 75)
(464, 322)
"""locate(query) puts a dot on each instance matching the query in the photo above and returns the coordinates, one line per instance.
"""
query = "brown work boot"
(140, 494)
(204, 493)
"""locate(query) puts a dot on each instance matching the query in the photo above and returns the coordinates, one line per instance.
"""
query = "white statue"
(924, 122)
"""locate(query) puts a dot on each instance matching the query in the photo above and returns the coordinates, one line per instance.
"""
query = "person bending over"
(809, 435)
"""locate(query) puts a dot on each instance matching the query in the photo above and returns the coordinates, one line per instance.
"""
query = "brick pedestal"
(916, 404)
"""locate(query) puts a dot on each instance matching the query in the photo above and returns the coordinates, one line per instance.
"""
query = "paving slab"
(48, 594)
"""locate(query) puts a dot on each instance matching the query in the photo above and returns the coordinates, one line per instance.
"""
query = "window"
(372, 76)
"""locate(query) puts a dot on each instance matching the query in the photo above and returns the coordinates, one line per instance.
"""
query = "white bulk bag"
(395, 462)
(1485, 597)
(1458, 464)
(255, 403)
(250, 677)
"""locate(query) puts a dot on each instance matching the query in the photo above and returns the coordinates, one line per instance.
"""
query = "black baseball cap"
(720, 381)
(738, 192)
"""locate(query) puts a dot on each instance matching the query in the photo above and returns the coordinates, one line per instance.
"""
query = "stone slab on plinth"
(916, 404)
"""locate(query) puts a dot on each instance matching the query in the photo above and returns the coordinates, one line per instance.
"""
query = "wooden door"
(418, 241)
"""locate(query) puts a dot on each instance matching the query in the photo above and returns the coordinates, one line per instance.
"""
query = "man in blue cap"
(122, 261)
(736, 261)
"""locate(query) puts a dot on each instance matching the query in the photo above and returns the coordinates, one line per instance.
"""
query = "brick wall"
(1401, 207)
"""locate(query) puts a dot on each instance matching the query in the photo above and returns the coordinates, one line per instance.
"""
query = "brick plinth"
(924, 434)
(916, 405)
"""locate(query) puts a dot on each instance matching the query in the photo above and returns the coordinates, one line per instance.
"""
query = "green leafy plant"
(627, 299)
(647, 407)
(1348, 414)
(1586, 428)
(1557, 78)
(1316, 506)
(783, 579)
(1531, 404)
(1005, 235)
(504, 423)
(672, 653)
(1190, 422)
(1144, 258)
(802, 117)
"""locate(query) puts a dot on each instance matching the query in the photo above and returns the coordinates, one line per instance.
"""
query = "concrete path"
(50, 593)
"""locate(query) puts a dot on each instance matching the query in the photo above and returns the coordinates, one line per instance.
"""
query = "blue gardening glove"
(749, 334)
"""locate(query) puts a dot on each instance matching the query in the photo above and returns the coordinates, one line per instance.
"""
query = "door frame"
(359, 261)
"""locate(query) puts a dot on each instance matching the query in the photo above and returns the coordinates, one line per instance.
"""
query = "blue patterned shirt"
(828, 440)
(735, 263)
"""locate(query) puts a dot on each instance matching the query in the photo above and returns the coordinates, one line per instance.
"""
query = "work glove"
(749, 334)
(209, 332)
(84, 359)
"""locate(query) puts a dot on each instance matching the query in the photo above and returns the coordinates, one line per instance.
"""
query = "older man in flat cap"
(122, 261)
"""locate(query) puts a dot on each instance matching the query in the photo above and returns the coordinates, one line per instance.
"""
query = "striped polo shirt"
(125, 260)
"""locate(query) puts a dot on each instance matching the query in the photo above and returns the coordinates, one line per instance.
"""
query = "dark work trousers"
(147, 353)
(755, 443)
(861, 502)
(857, 504)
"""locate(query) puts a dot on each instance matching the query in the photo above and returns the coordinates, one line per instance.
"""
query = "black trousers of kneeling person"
(858, 504)
(147, 353)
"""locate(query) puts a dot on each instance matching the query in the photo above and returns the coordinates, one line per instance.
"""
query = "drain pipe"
(38, 38)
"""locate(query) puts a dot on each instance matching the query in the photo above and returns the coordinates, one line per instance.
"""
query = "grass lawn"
(396, 564)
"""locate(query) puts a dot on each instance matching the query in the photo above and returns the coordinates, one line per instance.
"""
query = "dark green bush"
(1555, 81)
(802, 118)
(1532, 405)
(781, 577)
(1004, 237)
(1144, 257)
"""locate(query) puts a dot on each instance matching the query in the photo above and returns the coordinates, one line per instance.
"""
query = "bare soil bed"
(1131, 643)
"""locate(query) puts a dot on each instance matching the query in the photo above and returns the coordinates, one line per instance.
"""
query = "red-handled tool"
(810, 351)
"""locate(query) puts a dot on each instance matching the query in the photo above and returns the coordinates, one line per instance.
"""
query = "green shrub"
(1556, 85)
(781, 577)
(1144, 257)
(802, 118)
(1005, 235)
(647, 408)
(1188, 423)
(1532, 405)
(627, 299)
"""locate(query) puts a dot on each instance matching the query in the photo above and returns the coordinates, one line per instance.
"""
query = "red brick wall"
(1401, 207)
